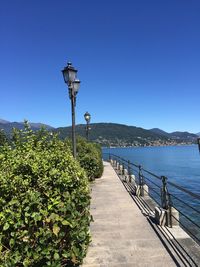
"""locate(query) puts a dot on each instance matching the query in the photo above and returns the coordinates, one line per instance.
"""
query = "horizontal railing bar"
(187, 218)
(184, 190)
(154, 199)
(119, 158)
(185, 203)
(135, 165)
(125, 160)
(187, 230)
(135, 170)
(151, 181)
(154, 175)
(154, 191)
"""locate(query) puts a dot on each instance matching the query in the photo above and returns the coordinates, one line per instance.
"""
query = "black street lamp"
(87, 117)
(69, 74)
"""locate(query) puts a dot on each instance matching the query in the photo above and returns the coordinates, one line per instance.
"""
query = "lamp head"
(69, 73)
(87, 117)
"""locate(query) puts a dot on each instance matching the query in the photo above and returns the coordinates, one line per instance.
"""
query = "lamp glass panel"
(87, 116)
(65, 75)
(71, 75)
(76, 85)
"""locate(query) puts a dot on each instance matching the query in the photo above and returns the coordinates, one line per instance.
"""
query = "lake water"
(180, 164)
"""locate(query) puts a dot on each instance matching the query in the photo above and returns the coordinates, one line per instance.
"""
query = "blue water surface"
(181, 164)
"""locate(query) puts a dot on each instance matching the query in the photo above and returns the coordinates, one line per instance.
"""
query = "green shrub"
(3, 138)
(44, 203)
(90, 158)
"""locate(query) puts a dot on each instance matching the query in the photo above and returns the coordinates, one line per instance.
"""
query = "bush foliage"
(44, 203)
(90, 158)
(3, 138)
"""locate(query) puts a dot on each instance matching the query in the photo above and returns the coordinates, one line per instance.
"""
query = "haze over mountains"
(113, 134)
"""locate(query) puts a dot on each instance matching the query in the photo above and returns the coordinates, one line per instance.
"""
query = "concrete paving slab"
(121, 235)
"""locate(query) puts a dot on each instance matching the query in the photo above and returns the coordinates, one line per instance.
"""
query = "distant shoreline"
(149, 146)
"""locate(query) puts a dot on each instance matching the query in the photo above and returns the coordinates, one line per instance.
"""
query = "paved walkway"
(121, 234)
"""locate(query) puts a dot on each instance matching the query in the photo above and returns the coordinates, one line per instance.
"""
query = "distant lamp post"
(87, 117)
(198, 142)
(69, 74)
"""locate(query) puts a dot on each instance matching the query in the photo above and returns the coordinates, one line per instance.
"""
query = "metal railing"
(172, 198)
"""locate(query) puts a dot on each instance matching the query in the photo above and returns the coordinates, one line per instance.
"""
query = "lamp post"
(87, 117)
(198, 143)
(69, 74)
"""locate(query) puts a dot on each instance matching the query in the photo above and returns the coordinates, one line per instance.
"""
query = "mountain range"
(175, 135)
(113, 134)
(7, 126)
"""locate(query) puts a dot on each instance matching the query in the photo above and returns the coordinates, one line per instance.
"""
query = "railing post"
(166, 201)
(139, 190)
(119, 168)
(164, 194)
(142, 189)
(115, 163)
(141, 177)
(129, 171)
(122, 168)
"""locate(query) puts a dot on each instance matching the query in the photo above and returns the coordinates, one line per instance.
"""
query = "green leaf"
(56, 229)
(6, 226)
(65, 222)
(56, 256)
(66, 255)
(12, 242)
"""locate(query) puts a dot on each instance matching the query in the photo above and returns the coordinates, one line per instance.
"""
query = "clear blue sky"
(138, 61)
